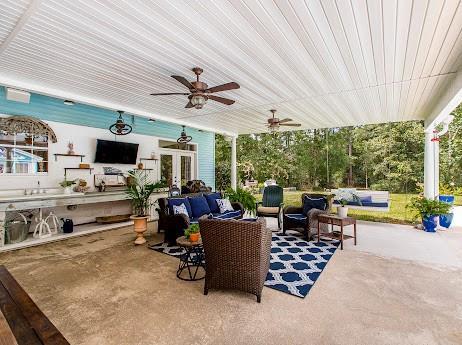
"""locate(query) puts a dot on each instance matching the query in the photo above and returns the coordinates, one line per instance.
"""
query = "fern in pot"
(429, 210)
(139, 191)
(244, 197)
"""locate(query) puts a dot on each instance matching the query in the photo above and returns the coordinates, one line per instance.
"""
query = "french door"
(177, 167)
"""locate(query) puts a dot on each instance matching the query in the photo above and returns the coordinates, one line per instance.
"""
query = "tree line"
(382, 157)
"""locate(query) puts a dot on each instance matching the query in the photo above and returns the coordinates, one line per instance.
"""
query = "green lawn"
(397, 214)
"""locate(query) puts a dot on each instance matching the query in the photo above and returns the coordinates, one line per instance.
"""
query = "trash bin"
(16, 229)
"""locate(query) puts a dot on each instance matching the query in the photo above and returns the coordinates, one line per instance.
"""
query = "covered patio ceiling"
(323, 63)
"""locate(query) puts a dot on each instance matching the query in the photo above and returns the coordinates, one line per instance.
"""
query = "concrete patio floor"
(398, 286)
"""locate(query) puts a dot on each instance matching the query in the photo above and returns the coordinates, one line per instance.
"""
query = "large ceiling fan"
(199, 92)
(274, 122)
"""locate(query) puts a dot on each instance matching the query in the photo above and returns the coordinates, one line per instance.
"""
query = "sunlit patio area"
(398, 285)
(230, 172)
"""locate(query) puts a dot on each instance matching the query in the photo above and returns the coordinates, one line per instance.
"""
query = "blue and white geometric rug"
(295, 264)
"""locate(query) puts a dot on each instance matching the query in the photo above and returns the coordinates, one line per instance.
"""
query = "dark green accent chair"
(272, 203)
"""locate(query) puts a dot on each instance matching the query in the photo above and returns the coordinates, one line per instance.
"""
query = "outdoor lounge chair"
(272, 203)
(295, 219)
(237, 254)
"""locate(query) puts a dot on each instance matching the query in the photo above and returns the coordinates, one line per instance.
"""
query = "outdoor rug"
(295, 264)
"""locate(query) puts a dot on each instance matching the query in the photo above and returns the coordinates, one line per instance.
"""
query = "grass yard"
(397, 214)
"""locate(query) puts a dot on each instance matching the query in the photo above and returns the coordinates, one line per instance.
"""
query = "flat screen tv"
(115, 152)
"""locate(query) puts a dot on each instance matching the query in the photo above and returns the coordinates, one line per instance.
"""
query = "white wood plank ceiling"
(324, 63)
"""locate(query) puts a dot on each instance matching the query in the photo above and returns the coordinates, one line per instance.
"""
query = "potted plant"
(192, 233)
(429, 210)
(447, 196)
(242, 196)
(343, 197)
(139, 192)
(67, 185)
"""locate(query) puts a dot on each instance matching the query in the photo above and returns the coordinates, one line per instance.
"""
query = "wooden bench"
(380, 200)
(21, 321)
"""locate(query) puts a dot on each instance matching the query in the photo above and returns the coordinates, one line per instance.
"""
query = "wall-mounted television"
(115, 152)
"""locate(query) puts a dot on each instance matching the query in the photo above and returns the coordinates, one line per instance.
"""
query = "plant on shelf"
(139, 192)
(192, 233)
(242, 196)
(428, 210)
(67, 185)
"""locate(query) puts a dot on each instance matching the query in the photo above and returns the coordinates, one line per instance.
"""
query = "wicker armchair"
(237, 254)
(294, 219)
(174, 225)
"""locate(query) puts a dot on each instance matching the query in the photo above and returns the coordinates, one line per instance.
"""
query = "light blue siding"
(53, 109)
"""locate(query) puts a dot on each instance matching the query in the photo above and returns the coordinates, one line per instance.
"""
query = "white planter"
(68, 190)
(342, 211)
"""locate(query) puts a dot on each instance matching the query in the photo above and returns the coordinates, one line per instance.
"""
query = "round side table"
(192, 261)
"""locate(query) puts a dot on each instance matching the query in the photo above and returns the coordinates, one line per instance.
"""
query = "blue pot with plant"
(430, 223)
(429, 210)
(446, 219)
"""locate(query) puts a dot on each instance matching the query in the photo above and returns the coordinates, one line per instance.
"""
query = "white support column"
(431, 170)
(233, 163)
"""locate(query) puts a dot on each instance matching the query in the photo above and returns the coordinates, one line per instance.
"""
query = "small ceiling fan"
(274, 122)
(199, 92)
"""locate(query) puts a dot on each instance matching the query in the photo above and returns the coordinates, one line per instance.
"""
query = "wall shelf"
(66, 169)
(68, 155)
(149, 159)
(142, 169)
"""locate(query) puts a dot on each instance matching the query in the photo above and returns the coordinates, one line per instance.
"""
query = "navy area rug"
(295, 264)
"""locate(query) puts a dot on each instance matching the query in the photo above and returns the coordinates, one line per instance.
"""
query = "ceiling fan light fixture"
(184, 138)
(120, 127)
(198, 101)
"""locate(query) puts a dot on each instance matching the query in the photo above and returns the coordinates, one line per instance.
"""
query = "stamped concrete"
(100, 289)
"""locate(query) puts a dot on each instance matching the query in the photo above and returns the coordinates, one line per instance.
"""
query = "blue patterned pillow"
(178, 202)
(181, 209)
(224, 205)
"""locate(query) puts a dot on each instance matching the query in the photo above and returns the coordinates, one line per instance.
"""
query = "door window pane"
(185, 169)
(166, 168)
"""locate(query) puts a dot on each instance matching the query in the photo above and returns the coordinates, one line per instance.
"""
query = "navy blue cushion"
(366, 204)
(227, 215)
(297, 217)
(199, 206)
(367, 198)
(178, 202)
(249, 219)
(212, 201)
(309, 203)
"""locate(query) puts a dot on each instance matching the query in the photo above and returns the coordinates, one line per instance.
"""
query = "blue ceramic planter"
(430, 223)
(446, 220)
(447, 198)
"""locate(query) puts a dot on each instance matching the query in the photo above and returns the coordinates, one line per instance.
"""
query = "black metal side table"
(192, 261)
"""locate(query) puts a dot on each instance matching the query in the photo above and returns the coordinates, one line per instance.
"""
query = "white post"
(429, 165)
(233, 163)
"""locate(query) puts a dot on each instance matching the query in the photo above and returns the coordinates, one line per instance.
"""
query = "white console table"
(27, 202)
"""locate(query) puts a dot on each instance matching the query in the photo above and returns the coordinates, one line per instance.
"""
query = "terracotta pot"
(194, 237)
(140, 225)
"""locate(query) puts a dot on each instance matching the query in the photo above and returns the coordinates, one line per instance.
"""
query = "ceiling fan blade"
(221, 99)
(223, 87)
(290, 124)
(169, 93)
(183, 81)
(285, 120)
(189, 105)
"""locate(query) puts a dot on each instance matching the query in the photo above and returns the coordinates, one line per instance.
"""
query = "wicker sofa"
(237, 254)
(294, 219)
(174, 225)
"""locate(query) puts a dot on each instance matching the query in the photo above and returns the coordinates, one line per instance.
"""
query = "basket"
(16, 230)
